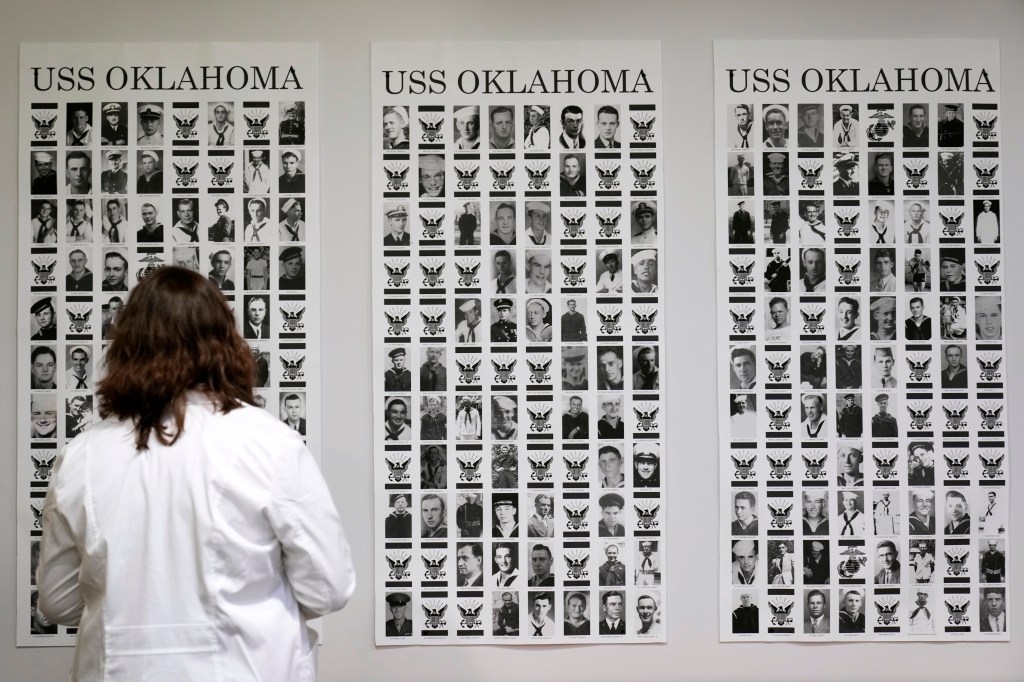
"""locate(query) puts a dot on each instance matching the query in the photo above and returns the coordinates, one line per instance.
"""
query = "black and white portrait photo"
(114, 176)
(572, 175)
(915, 125)
(739, 124)
(775, 126)
(396, 127)
(114, 128)
(745, 614)
(79, 124)
(846, 126)
(466, 124)
(647, 465)
(502, 133)
(149, 124)
(986, 221)
(536, 127)
(78, 170)
(397, 423)
(740, 175)
(221, 124)
(433, 515)
(606, 127)
(292, 128)
(950, 124)
(150, 174)
(432, 175)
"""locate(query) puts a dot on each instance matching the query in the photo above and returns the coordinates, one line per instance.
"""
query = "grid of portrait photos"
(864, 455)
(118, 184)
(519, 378)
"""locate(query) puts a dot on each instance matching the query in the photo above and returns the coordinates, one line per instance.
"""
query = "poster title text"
(145, 78)
(898, 79)
(514, 82)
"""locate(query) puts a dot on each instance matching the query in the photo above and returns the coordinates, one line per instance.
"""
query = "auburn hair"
(174, 335)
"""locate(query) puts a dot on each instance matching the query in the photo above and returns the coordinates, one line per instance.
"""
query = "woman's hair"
(176, 333)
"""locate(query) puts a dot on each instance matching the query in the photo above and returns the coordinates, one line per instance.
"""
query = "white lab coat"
(199, 561)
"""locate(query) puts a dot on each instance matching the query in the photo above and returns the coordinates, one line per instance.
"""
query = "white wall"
(344, 30)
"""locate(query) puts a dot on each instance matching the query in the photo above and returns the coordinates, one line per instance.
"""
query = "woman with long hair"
(189, 532)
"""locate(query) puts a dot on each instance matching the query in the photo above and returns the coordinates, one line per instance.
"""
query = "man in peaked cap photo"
(397, 218)
(292, 129)
(610, 281)
(646, 465)
(293, 271)
(115, 179)
(845, 183)
(292, 228)
(292, 180)
(113, 131)
(46, 318)
(467, 124)
(398, 625)
(645, 217)
(45, 181)
(504, 329)
(883, 424)
(151, 124)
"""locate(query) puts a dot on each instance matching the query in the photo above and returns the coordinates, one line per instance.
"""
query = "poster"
(136, 156)
(864, 464)
(518, 328)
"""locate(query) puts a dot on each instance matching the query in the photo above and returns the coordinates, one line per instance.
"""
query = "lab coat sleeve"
(317, 558)
(60, 598)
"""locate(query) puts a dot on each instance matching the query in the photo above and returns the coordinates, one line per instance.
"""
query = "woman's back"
(193, 561)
